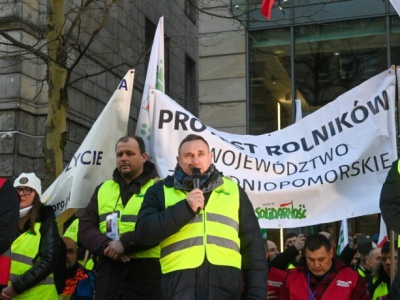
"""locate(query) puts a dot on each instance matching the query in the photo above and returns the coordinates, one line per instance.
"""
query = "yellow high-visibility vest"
(23, 251)
(109, 201)
(214, 232)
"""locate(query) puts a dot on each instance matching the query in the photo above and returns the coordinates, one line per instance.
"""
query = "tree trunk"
(56, 125)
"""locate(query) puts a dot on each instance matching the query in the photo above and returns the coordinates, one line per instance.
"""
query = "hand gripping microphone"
(196, 174)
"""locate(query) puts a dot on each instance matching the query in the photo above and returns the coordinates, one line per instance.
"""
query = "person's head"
(272, 250)
(318, 254)
(356, 260)
(29, 189)
(72, 252)
(385, 258)
(330, 238)
(131, 155)
(194, 152)
(373, 260)
(290, 238)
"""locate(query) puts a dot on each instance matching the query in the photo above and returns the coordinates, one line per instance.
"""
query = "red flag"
(266, 8)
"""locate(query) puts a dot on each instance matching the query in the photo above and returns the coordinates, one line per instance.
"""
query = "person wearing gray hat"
(35, 251)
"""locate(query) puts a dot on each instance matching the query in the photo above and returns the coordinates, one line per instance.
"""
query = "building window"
(329, 60)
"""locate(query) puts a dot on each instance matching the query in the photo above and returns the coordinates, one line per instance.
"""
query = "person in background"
(75, 271)
(389, 203)
(9, 206)
(322, 276)
(208, 233)
(350, 250)
(379, 281)
(272, 250)
(289, 239)
(291, 256)
(275, 276)
(126, 269)
(35, 252)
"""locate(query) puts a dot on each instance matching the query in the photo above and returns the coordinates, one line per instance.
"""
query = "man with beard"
(125, 268)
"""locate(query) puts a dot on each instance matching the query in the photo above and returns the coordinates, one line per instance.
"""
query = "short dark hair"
(316, 241)
(289, 235)
(386, 247)
(192, 137)
(138, 139)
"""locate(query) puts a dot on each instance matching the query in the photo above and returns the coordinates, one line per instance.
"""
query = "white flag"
(396, 5)
(318, 170)
(299, 113)
(343, 237)
(383, 236)
(154, 78)
(94, 161)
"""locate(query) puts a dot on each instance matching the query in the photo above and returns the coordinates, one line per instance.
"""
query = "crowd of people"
(191, 235)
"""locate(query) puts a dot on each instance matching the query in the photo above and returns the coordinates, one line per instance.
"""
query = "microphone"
(196, 174)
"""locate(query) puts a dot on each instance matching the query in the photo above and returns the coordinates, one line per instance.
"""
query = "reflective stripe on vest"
(23, 251)
(109, 201)
(213, 233)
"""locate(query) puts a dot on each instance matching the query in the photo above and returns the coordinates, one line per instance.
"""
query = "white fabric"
(94, 161)
(154, 78)
(23, 212)
(326, 167)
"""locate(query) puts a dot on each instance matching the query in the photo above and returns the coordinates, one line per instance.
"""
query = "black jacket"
(9, 207)
(136, 279)
(46, 259)
(390, 204)
(155, 223)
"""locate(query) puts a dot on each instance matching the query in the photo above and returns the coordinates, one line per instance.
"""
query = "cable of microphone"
(196, 174)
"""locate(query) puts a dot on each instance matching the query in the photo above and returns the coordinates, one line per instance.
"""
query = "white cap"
(29, 180)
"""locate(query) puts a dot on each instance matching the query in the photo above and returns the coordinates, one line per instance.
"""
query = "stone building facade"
(123, 43)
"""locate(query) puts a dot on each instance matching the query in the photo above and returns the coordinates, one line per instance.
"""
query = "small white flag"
(396, 5)
(343, 237)
(383, 236)
(154, 78)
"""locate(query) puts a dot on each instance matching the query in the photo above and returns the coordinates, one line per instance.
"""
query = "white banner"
(94, 161)
(326, 167)
(396, 5)
(154, 78)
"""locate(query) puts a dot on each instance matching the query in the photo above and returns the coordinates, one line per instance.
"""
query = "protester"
(379, 281)
(390, 208)
(9, 205)
(290, 257)
(35, 252)
(272, 250)
(75, 271)
(275, 276)
(207, 230)
(349, 251)
(322, 276)
(125, 269)
(289, 239)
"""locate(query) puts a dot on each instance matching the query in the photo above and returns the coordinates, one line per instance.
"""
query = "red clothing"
(276, 278)
(340, 283)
